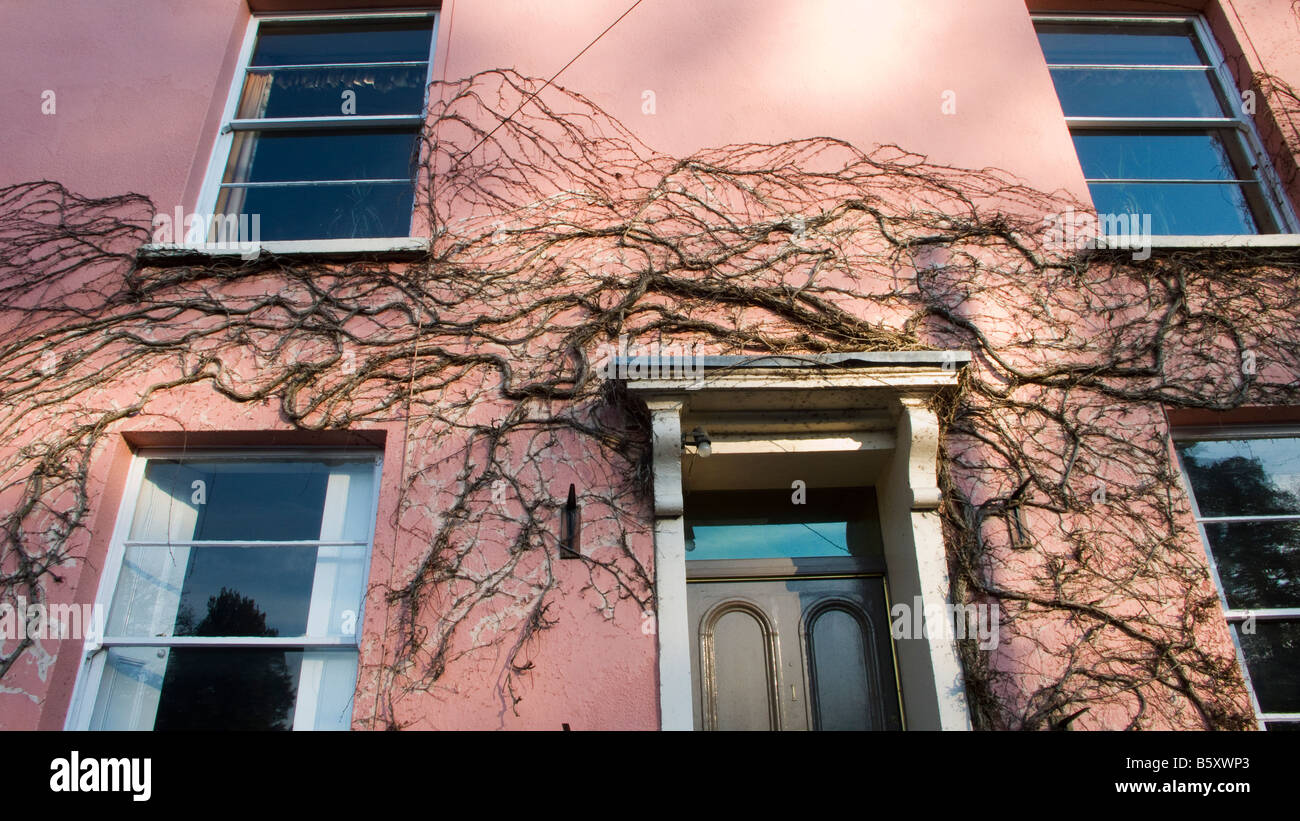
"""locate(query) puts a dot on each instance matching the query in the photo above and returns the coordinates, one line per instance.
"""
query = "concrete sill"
(1174, 242)
(395, 248)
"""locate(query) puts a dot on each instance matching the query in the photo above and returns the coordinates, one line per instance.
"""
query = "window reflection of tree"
(1258, 564)
(228, 688)
(1273, 655)
(366, 212)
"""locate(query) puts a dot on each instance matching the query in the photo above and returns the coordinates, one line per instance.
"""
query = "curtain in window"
(146, 603)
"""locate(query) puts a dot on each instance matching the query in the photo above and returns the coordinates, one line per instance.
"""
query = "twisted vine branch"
(562, 233)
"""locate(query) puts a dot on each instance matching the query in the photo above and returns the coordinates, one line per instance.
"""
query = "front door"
(789, 611)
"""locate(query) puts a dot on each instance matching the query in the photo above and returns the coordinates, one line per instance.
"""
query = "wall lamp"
(570, 527)
(700, 439)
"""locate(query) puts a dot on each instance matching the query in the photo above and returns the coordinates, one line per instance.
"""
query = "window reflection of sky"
(1152, 70)
(768, 541)
(1104, 44)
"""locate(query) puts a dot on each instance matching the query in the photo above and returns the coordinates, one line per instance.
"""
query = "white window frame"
(95, 648)
(220, 156)
(1272, 191)
(1233, 615)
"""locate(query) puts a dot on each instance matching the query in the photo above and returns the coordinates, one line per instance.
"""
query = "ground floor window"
(1245, 489)
(234, 592)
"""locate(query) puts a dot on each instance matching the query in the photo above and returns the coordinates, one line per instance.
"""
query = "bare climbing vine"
(559, 233)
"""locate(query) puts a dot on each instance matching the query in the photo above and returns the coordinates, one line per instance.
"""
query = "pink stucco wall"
(137, 89)
(140, 87)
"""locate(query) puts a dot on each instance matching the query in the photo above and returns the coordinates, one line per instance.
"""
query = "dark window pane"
(1154, 155)
(1273, 657)
(318, 92)
(762, 524)
(332, 211)
(1244, 477)
(337, 154)
(1128, 45)
(269, 591)
(1258, 562)
(236, 501)
(238, 591)
(1180, 209)
(343, 42)
(229, 689)
(1096, 92)
(1282, 726)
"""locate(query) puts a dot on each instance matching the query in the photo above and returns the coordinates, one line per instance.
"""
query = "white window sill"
(1170, 241)
(383, 246)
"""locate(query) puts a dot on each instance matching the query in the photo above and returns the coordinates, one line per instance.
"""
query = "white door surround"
(860, 419)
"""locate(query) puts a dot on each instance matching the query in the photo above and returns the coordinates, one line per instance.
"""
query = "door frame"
(817, 400)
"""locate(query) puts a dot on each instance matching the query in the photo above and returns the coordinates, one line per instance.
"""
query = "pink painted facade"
(140, 90)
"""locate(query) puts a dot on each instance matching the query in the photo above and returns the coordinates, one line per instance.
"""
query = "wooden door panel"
(840, 684)
(848, 654)
(740, 654)
(720, 632)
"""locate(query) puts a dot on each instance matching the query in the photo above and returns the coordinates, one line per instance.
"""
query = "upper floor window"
(1246, 497)
(321, 133)
(1158, 125)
